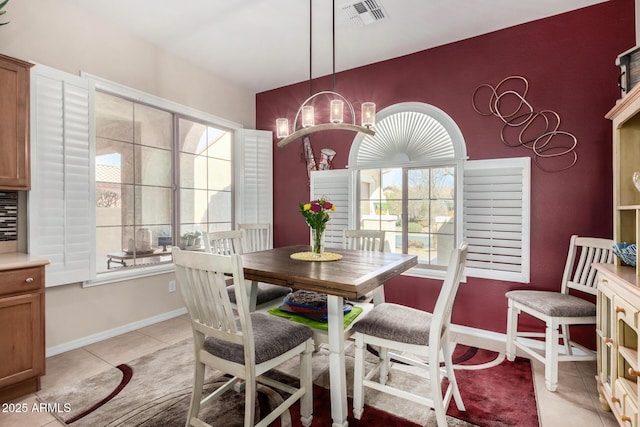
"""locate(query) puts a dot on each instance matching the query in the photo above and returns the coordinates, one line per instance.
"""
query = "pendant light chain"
(333, 39)
(306, 112)
(310, 47)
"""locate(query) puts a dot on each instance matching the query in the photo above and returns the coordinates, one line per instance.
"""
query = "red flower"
(327, 205)
(315, 207)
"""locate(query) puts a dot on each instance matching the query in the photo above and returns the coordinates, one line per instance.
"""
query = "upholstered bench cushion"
(272, 336)
(396, 322)
(554, 304)
(266, 293)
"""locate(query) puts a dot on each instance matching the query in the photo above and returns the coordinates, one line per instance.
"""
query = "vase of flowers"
(316, 214)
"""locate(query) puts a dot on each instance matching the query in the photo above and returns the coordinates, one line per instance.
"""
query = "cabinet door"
(14, 124)
(22, 338)
(605, 341)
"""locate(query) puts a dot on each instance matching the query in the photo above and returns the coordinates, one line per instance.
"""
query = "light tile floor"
(575, 403)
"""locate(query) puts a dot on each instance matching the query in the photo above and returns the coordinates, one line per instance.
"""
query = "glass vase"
(317, 242)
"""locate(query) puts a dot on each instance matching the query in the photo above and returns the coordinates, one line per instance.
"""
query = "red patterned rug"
(496, 393)
(496, 396)
(154, 391)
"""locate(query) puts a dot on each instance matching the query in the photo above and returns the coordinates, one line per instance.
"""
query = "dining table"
(346, 274)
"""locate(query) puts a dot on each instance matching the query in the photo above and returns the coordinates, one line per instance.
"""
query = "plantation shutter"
(254, 176)
(61, 218)
(334, 185)
(496, 217)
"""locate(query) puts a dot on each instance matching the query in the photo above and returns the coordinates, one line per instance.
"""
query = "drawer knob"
(625, 418)
(29, 280)
(633, 372)
(605, 281)
(608, 340)
(615, 400)
(620, 310)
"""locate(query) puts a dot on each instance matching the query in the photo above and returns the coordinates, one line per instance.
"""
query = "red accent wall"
(569, 62)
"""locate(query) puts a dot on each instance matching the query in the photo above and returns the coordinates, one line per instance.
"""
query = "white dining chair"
(235, 242)
(558, 310)
(364, 240)
(257, 237)
(224, 242)
(244, 346)
(397, 328)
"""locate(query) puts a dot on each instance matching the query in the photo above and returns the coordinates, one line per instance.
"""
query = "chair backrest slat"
(583, 252)
(364, 240)
(202, 280)
(257, 237)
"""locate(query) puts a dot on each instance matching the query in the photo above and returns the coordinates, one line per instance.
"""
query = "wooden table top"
(357, 273)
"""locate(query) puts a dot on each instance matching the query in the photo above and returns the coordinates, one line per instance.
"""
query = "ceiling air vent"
(364, 12)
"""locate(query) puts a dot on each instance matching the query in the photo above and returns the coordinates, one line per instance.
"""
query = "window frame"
(61, 203)
(456, 160)
(178, 110)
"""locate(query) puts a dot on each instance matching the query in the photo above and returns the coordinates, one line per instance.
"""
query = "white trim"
(122, 275)
(450, 126)
(60, 224)
(488, 184)
(101, 336)
(130, 327)
(253, 176)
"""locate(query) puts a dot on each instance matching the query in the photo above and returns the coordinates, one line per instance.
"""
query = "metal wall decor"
(538, 130)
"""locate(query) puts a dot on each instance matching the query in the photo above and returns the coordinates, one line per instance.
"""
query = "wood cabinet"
(618, 368)
(22, 330)
(14, 124)
(618, 300)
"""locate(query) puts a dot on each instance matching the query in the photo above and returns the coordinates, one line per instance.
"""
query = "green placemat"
(299, 318)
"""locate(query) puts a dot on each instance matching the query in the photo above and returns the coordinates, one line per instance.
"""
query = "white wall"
(59, 35)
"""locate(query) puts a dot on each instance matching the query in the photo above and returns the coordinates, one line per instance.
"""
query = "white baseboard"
(91, 339)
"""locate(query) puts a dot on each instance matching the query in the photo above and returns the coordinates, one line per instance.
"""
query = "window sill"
(122, 275)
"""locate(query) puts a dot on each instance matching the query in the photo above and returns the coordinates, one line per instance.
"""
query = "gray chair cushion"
(266, 293)
(272, 337)
(554, 304)
(396, 322)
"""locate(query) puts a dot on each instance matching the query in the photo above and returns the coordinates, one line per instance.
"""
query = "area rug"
(155, 390)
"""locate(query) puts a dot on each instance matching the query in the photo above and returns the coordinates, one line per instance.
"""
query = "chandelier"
(304, 122)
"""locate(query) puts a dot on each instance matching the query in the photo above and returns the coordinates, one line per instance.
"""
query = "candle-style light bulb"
(282, 128)
(308, 117)
(337, 107)
(368, 114)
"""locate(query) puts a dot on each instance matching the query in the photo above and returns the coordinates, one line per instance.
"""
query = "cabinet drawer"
(630, 414)
(21, 280)
(619, 393)
(625, 311)
(624, 401)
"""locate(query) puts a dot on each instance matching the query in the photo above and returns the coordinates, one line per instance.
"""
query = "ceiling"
(264, 44)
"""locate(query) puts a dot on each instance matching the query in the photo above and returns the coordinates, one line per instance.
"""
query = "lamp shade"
(368, 114)
(337, 107)
(282, 128)
(308, 116)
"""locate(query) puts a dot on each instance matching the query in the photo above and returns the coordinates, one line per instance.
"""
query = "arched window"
(408, 181)
(413, 180)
